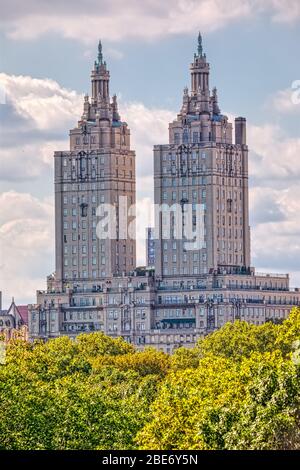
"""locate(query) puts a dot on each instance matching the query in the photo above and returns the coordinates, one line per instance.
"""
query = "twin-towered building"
(203, 276)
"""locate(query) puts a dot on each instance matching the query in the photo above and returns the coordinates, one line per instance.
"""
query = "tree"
(238, 388)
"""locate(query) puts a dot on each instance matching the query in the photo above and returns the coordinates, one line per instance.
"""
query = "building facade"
(204, 166)
(200, 183)
(95, 179)
(14, 322)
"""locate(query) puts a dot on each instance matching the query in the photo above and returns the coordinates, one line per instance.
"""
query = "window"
(185, 137)
(83, 210)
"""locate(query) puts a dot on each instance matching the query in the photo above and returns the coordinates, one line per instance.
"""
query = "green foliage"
(239, 339)
(238, 388)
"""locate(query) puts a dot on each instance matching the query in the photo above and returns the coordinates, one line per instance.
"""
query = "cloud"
(34, 121)
(85, 20)
(286, 101)
(274, 156)
(27, 244)
(266, 206)
(276, 243)
(148, 126)
(274, 172)
(43, 103)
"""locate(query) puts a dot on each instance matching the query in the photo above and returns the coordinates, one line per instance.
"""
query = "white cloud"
(276, 239)
(148, 126)
(274, 156)
(85, 20)
(34, 121)
(42, 102)
(284, 11)
(286, 101)
(27, 245)
(274, 171)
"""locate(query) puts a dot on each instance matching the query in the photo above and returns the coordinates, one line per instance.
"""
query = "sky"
(47, 49)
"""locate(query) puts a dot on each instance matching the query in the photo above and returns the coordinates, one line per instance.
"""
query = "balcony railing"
(275, 275)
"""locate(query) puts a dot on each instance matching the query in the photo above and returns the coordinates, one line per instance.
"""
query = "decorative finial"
(200, 47)
(100, 55)
(116, 116)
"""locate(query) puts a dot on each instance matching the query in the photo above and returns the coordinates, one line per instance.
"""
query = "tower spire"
(200, 73)
(100, 78)
(200, 46)
(100, 55)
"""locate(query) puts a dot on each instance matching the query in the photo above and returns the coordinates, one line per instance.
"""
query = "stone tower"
(94, 181)
(202, 167)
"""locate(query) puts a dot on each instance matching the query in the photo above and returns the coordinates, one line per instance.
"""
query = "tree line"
(237, 388)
